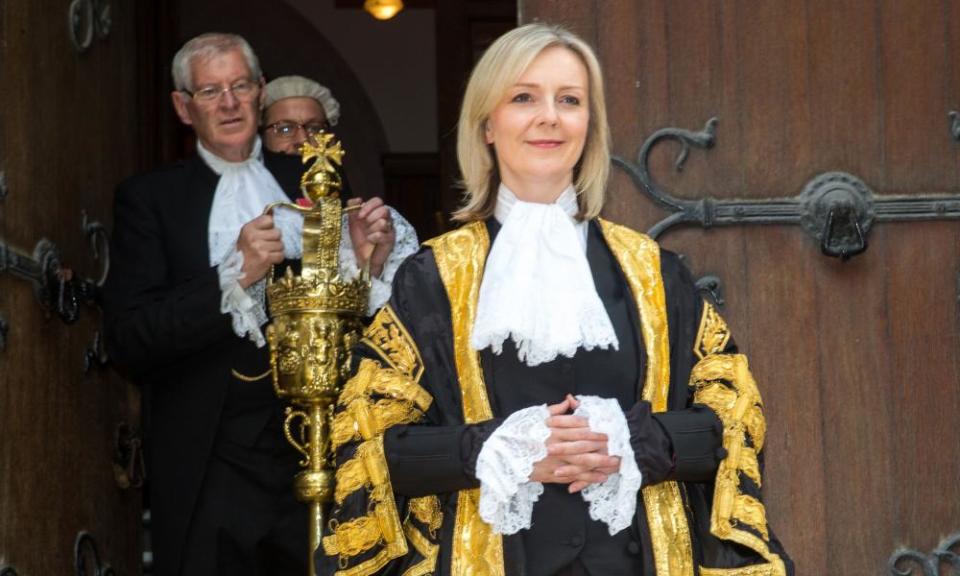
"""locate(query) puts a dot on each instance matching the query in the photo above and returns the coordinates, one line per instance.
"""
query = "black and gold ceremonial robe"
(409, 422)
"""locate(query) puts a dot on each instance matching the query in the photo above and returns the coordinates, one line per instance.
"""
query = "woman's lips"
(545, 143)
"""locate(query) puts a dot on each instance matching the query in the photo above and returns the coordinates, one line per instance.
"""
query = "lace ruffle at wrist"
(506, 461)
(245, 307)
(405, 244)
(614, 501)
(504, 466)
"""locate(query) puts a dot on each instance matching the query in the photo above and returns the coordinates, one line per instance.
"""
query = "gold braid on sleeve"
(375, 399)
(424, 519)
(724, 383)
(389, 338)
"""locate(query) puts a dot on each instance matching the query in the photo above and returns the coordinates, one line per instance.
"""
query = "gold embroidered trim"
(351, 476)
(367, 469)
(353, 537)
(245, 378)
(738, 404)
(639, 257)
(476, 549)
(749, 510)
(761, 570)
(391, 340)
(724, 383)
(372, 378)
(367, 567)
(750, 466)
(425, 548)
(713, 335)
(380, 527)
(460, 256)
(426, 509)
(363, 420)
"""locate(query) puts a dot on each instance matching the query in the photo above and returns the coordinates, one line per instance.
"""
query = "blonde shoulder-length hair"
(499, 69)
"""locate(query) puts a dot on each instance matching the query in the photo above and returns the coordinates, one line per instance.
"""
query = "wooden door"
(70, 130)
(858, 361)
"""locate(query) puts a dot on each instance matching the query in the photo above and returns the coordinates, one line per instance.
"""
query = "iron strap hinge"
(837, 209)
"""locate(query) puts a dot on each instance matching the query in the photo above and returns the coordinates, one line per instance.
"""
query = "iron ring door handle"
(842, 247)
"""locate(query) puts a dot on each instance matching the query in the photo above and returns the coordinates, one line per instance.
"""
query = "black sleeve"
(696, 440)
(150, 321)
(435, 459)
(693, 434)
(439, 455)
(651, 444)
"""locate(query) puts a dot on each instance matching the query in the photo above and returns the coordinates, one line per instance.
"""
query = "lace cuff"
(614, 501)
(406, 243)
(245, 307)
(504, 466)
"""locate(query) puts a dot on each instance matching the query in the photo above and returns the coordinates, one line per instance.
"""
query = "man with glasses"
(185, 314)
(297, 108)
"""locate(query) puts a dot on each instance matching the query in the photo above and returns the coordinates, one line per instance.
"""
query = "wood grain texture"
(464, 29)
(922, 285)
(68, 135)
(857, 361)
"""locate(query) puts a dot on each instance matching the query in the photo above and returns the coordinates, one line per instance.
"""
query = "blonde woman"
(546, 393)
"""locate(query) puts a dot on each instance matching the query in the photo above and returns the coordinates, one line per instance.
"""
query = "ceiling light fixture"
(383, 9)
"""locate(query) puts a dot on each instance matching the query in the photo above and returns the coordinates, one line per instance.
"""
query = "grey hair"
(206, 46)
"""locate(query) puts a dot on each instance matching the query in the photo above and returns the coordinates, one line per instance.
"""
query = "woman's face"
(540, 126)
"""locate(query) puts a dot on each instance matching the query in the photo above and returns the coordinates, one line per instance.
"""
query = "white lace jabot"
(537, 287)
(243, 191)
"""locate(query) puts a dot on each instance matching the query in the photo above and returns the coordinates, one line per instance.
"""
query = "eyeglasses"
(286, 129)
(243, 90)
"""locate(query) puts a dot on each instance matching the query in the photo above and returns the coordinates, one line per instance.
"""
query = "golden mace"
(316, 321)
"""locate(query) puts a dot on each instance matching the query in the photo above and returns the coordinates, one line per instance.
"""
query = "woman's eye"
(522, 97)
(571, 100)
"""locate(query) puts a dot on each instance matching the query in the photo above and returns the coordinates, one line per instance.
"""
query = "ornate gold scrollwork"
(713, 335)
(387, 336)
(316, 318)
(724, 383)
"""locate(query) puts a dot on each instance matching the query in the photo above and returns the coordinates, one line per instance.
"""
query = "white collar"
(567, 201)
(219, 165)
(537, 288)
(506, 200)
(243, 191)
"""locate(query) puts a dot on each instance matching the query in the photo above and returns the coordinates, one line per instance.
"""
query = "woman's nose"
(548, 113)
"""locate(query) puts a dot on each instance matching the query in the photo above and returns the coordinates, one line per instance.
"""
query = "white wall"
(394, 60)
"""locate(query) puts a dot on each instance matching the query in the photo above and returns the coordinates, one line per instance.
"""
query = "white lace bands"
(243, 191)
(613, 501)
(506, 460)
(537, 287)
(504, 466)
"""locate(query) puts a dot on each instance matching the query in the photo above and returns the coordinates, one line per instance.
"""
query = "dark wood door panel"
(924, 381)
(68, 134)
(858, 360)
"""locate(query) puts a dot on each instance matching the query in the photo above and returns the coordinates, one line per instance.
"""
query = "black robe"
(165, 330)
(410, 423)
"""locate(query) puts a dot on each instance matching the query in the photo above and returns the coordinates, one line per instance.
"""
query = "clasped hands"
(576, 456)
(371, 231)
